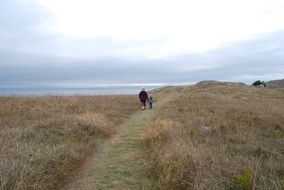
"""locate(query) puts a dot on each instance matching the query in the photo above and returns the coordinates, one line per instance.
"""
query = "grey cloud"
(35, 68)
(256, 58)
(19, 24)
(259, 57)
(29, 55)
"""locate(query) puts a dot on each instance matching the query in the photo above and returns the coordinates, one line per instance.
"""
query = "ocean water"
(74, 91)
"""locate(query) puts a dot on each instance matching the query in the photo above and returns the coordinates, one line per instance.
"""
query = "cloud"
(243, 61)
(133, 29)
(182, 25)
(19, 24)
(45, 44)
(246, 61)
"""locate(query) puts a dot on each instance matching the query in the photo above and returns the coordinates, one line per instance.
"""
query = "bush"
(258, 83)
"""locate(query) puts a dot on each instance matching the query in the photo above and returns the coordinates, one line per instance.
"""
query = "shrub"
(258, 83)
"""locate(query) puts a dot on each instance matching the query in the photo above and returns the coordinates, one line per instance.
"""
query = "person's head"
(143, 89)
(150, 95)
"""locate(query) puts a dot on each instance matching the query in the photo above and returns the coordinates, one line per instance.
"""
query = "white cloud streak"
(175, 26)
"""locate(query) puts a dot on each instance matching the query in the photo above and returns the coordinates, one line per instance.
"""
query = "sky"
(69, 43)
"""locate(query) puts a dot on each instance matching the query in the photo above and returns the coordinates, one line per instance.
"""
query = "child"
(150, 101)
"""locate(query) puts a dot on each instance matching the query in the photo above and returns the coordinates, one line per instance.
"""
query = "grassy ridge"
(219, 136)
(44, 139)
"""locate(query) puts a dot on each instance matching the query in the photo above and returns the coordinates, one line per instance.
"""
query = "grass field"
(44, 140)
(210, 135)
(218, 136)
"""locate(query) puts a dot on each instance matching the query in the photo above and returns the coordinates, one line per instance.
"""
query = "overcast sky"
(86, 42)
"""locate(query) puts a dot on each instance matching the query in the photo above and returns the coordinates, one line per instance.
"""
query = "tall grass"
(45, 139)
(218, 136)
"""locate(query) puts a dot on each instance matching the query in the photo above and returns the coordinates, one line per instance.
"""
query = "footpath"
(119, 163)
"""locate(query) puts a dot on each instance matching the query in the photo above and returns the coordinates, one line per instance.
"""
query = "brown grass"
(45, 139)
(219, 136)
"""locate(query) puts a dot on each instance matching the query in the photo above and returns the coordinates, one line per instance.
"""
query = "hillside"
(276, 83)
(218, 135)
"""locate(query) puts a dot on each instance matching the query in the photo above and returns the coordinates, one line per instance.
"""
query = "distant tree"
(258, 83)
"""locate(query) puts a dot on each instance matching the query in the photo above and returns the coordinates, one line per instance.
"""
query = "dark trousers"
(150, 105)
(143, 103)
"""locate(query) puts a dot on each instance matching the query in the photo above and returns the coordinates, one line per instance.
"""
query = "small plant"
(278, 133)
(281, 184)
(193, 132)
(244, 180)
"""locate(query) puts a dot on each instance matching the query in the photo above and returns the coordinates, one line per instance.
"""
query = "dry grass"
(219, 136)
(45, 139)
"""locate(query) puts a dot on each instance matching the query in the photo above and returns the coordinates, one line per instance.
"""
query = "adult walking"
(143, 96)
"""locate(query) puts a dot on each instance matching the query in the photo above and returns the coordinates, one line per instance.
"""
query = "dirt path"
(118, 163)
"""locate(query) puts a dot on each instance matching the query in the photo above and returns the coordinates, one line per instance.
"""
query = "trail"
(118, 164)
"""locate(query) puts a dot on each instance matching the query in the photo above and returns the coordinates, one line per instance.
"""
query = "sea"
(100, 90)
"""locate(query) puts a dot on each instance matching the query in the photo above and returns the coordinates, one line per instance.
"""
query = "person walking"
(151, 102)
(143, 96)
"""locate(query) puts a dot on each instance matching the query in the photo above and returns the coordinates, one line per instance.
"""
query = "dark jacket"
(143, 96)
